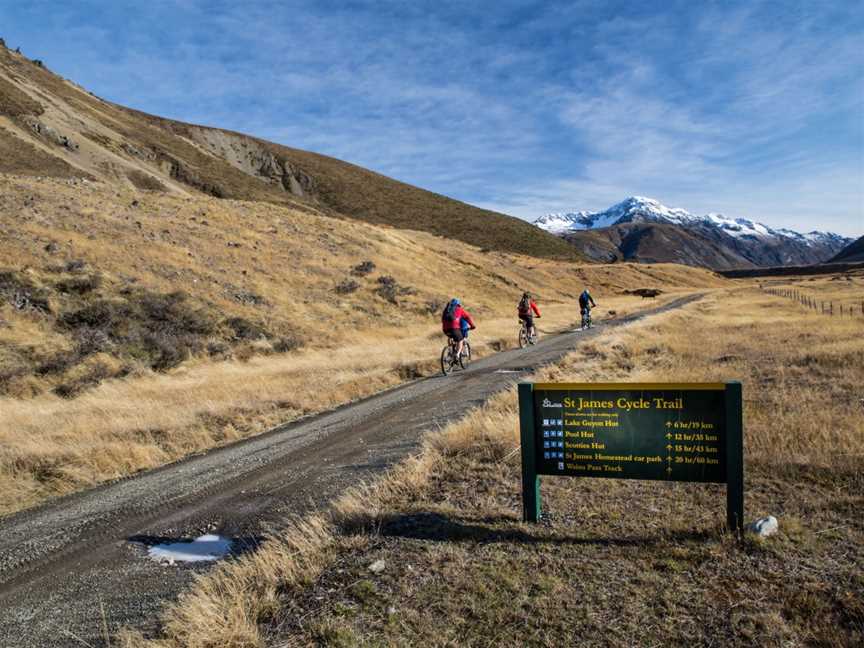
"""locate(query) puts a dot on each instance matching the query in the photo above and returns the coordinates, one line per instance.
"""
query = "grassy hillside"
(616, 562)
(48, 126)
(138, 327)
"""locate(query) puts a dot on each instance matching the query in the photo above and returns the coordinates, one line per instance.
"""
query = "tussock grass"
(616, 562)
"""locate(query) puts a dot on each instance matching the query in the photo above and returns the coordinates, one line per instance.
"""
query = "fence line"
(826, 308)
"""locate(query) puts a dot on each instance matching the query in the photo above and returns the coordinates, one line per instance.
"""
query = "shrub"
(96, 374)
(102, 314)
(250, 298)
(57, 363)
(167, 351)
(172, 314)
(287, 343)
(22, 293)
(347, 287)
(434, 306)
(219, 350)
(91, 340)
(160, 330)
(363, 269)
(8, 375)
(79, 285)
(245, 330)
(389, 289)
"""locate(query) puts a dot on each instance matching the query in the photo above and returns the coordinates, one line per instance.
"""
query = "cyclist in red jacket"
(451, 322)
(527, 309)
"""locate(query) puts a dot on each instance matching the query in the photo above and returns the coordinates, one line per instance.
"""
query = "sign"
(657, 431)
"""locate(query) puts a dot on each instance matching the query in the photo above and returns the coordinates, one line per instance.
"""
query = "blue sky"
(751, 109)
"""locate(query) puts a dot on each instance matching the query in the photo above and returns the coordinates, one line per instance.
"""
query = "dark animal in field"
(645, 293)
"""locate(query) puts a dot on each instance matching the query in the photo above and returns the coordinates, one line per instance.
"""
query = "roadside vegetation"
(435, 552)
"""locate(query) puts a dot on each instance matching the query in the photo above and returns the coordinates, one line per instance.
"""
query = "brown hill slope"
(655, 243)
(49, 126)
(852, 253)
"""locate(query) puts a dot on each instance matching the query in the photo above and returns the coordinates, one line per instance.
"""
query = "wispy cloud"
(750, 108)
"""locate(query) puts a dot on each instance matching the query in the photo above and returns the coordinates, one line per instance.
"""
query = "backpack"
(449, 312)
(524, 304)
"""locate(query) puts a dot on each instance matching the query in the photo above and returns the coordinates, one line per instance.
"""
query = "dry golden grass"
(292, 261)
(618, 562)
(844, 290)
(51, 446)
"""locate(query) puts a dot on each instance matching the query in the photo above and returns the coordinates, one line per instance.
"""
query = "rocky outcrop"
(279, 171)
(254, 158)
(48, 133)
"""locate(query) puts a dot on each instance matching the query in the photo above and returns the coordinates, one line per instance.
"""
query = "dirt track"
(63, 563)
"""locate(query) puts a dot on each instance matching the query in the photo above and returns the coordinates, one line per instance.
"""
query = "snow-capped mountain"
(736, 240)
(635, 209)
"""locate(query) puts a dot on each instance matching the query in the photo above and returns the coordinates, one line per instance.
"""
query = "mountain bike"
(586, 318)
(524, 337)
(450, 359)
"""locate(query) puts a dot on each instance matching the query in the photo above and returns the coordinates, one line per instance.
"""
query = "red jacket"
(456, 322)
(526, 311)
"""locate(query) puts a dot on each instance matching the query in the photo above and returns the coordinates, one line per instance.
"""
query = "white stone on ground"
(764, 527)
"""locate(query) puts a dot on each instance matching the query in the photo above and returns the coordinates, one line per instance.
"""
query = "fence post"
(530, 480)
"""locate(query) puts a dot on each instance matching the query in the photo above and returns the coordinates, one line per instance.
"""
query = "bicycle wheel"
(446, 360)
(523, 337)
(465, 358)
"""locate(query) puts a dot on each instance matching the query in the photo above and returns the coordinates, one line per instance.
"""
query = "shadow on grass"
(441, 528)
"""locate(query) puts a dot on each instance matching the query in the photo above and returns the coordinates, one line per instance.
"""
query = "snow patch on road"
(205, 547)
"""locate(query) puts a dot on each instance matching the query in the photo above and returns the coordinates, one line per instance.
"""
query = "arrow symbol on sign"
(668, 446)
(668, 424)
(668, 436)
(669, 470)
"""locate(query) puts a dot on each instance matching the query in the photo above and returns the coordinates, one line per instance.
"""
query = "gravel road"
(77, 565)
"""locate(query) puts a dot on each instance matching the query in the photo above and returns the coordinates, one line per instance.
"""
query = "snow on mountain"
(639, 209)
(560, 223)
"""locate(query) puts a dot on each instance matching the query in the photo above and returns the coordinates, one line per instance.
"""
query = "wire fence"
(819, 305)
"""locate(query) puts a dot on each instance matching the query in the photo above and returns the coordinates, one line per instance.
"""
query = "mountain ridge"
(852, 253)
(50, 126)
(712, 240)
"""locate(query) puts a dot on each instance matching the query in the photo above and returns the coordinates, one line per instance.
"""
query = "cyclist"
(527, 309)
(586, 302)
(451, 323)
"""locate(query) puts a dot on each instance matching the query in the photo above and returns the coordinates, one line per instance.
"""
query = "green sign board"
(659, 431)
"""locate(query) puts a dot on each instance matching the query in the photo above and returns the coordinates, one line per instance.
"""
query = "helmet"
(455, 302)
